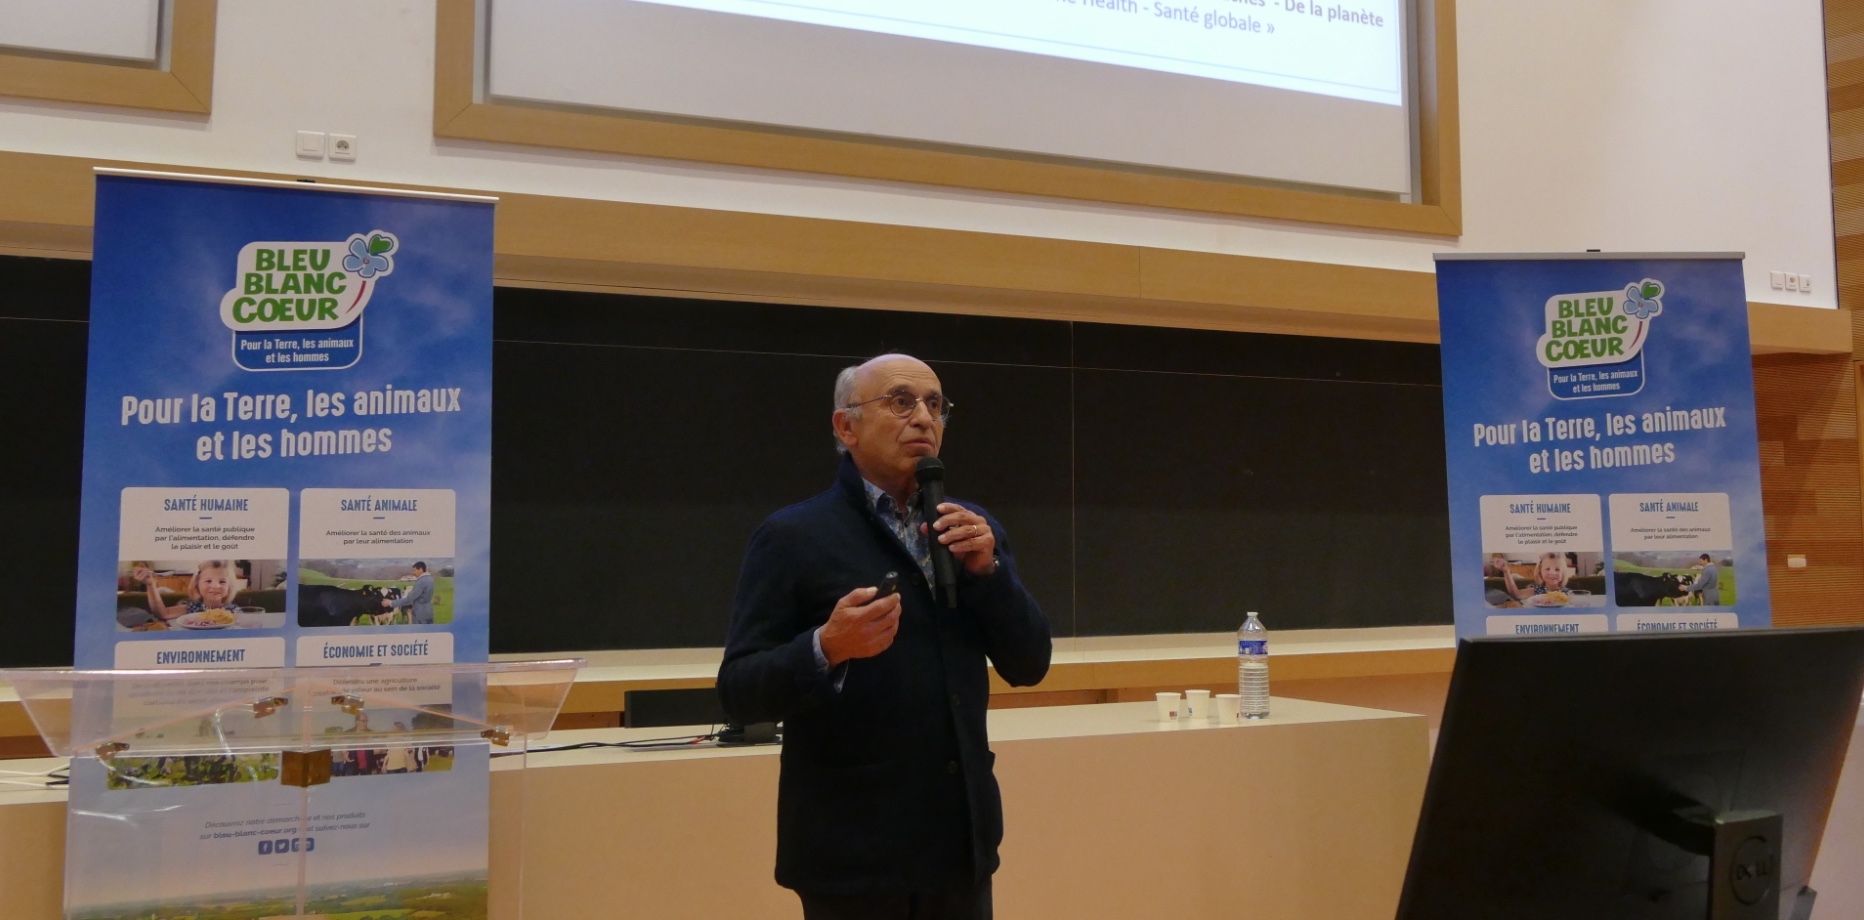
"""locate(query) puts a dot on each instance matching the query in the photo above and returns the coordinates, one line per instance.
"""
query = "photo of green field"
(433, 898)
(1681, 565)
(191, 770)
(382, 574)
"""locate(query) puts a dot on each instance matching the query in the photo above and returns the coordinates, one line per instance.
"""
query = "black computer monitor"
(1592, 778)
(661, 708)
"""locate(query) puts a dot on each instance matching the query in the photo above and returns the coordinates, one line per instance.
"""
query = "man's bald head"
(853, 383)
(885, 446)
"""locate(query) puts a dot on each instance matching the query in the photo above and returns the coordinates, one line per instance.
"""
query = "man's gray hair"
(844, 390)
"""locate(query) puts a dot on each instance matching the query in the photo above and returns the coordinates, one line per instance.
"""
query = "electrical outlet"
(343, 146)
(311, 144)
(1805, 284)
(1792, 281)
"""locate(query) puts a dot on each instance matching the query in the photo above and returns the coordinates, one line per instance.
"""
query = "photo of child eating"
(1544, 580)
(200, 594)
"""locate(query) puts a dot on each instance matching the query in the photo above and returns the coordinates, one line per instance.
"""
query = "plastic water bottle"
(1252, 668)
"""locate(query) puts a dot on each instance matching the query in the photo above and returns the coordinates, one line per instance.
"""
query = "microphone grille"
(929, 469)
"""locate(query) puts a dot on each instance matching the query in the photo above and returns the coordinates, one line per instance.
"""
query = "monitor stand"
(1744, 860)
(1802, 905)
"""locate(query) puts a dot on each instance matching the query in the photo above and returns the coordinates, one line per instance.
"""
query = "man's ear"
(844, 426)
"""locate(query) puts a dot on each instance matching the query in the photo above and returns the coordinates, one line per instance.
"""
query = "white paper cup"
(1197, 704)
(1229, 707)
(1168, 707)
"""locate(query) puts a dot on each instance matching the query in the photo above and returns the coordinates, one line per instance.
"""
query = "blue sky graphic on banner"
(288, 407)
(287, 461)
(1599, 432)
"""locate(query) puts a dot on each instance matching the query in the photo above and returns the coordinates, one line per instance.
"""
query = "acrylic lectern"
(293, 792)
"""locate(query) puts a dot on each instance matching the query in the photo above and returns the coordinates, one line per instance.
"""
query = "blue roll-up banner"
(1599, 432)
(287, 462)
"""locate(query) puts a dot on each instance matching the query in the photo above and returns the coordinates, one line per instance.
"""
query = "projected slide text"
(1350, 50)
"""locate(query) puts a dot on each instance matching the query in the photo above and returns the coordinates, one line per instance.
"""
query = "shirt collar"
(882, 503)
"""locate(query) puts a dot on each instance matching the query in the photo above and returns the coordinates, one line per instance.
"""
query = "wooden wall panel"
(1844, 82)
(623, 247)
(1810, 486)
(1808, 405)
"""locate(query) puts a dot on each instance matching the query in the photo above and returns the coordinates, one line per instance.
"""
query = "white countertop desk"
(1109, 814)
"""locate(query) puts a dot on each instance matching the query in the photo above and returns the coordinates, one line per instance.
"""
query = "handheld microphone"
(930, 472)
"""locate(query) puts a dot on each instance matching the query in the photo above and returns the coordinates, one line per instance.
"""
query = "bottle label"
(1252, 646)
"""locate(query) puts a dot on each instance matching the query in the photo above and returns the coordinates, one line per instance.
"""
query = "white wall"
(1835, 877)
(1649, 125)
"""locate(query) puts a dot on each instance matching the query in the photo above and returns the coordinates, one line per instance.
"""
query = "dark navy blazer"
(886, 785)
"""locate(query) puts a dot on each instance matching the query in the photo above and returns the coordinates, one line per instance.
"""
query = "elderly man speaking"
(887, 807)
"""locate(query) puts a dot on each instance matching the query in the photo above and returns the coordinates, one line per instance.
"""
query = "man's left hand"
(969, 537)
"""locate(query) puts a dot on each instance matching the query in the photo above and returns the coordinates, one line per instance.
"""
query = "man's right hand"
(860, 627)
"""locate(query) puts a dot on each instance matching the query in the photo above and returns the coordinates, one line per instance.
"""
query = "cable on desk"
(639, 744)
(38, 779)
(677, 742)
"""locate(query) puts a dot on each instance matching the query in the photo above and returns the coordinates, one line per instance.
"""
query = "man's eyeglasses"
(903, 404)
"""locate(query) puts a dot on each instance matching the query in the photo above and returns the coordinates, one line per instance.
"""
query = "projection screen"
(1292, 91)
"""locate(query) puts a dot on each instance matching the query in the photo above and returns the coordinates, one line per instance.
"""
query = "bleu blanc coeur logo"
(1599, 327)
(305, 287)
